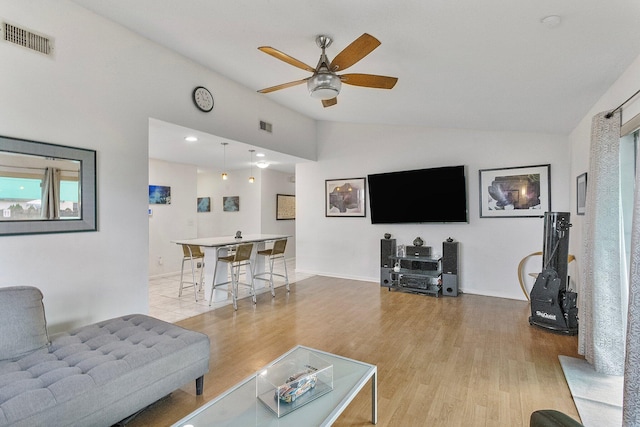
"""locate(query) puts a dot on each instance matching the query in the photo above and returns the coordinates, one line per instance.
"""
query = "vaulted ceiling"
(485, 65)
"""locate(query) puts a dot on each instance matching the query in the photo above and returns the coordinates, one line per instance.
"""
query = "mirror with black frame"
(46, 188)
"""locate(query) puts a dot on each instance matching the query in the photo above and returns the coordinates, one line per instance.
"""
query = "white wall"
(98, 92)
(180, 219)
(272, 184)
(490, 248)
(219, 222)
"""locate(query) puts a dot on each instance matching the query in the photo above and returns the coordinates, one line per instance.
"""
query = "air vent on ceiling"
(265, 126)
(27, 38)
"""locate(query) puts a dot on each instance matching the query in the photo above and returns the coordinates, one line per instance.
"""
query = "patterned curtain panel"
(630, 406)
(601, 332)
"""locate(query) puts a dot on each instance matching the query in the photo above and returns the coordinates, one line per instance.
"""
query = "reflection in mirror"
(35, 187)
(46, 188)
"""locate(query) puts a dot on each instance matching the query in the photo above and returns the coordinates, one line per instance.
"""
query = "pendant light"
(224, 174)
(251, 178)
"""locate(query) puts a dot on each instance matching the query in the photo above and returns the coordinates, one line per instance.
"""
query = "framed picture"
(159, 195)
(204, 204)
(581, 192)
(285, 206)
(345, 197)
(523, 191)
(231, 203)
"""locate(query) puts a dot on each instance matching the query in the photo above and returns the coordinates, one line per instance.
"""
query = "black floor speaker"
(387, 249)
(450, 285)
(385, 276)
(450, 257)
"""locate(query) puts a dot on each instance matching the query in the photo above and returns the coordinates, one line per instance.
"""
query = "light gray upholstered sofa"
(96, 375)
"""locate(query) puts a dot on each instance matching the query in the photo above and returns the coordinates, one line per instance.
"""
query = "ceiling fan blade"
(282, 86)
(369, 80)
(329, 102)
(358, 49)
(286, 58)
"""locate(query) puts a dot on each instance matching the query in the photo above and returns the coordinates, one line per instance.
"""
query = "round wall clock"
(203, 99)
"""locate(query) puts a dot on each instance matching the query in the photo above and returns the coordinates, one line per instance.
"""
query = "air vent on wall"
(27, 38)
(265, 126)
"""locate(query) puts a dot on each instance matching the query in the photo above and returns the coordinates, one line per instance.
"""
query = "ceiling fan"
(324, 83)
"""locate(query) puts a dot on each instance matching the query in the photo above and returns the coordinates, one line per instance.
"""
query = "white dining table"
(211, 246)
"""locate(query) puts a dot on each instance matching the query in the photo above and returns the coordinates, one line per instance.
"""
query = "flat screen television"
(423, 195)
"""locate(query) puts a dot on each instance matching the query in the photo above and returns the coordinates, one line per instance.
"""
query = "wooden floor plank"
(463, 361)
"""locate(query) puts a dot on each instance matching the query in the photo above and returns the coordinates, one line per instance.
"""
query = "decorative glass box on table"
(294, 381)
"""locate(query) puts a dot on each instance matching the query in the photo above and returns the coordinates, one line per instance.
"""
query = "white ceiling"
(166, 142)
(485, 65)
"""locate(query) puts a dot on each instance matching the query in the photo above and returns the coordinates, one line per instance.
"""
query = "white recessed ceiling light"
(551, 21)
(259, 154)
(262, 164)
(191, 138)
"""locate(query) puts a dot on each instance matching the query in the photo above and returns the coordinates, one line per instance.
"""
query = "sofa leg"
(199, 385)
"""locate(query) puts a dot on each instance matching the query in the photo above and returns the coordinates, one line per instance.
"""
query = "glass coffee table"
(239, 405)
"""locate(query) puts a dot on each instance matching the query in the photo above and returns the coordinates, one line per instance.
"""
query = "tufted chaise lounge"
(95, 375)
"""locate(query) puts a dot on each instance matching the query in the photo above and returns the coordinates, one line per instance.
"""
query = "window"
(628, 167)
(628, 170)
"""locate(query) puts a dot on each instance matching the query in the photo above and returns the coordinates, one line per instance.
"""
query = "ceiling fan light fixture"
(324, 85)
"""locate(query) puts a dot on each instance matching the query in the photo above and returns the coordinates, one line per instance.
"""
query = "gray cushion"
(101, 373)
(23, 328)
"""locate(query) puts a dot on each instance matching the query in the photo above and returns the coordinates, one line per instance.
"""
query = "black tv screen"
(423, 195)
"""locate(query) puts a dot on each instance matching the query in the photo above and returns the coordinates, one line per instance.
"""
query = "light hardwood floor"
(447, 361)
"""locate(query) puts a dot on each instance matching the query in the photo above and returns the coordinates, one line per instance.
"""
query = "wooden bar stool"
(239, 258)
(194, 254)
(276, 252)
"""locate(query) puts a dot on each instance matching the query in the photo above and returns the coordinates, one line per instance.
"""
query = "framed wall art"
(204, 204)
(231, 203)
(581, 194)
(523, 191)
(285, 206)
(345, 197)
(159, 195)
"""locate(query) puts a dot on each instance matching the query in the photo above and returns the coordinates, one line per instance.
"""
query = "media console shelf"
(416, 274)
(417, 271)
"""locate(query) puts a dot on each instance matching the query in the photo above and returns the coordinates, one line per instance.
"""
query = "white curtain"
(51, 194)
(601, 332)
(631, 400)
